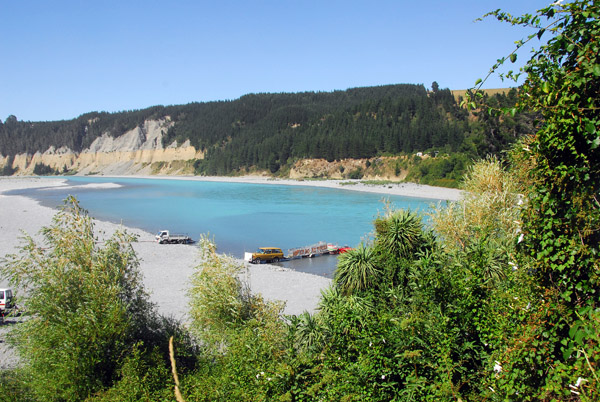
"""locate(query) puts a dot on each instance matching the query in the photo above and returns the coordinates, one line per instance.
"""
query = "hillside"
(269, 133)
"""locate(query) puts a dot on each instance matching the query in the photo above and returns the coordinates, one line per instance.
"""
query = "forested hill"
(269, 131)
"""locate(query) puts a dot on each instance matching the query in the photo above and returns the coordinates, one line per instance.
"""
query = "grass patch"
(378, 182)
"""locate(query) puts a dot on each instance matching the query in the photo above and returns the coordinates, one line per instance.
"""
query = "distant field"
(461, 92)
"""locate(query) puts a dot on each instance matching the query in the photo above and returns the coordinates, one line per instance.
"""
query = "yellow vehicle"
(269, 254)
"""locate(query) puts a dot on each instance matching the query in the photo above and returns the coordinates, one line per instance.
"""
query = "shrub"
(244, 335)
(86, 302)
(491, 205)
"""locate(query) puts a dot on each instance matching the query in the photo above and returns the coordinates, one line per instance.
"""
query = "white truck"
(6, 303)
(164, 237)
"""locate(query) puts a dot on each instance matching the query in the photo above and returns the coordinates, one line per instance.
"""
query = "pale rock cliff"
(381, 168)
(138, 151)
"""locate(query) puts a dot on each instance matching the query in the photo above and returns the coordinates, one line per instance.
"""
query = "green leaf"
(590, 127)
(540, 33)
(478, 81)
(596, 70)
(579, 337)
(567, 353)
(546, 86)
(513, 57)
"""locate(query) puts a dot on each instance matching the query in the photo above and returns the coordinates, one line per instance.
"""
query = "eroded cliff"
(138, 151)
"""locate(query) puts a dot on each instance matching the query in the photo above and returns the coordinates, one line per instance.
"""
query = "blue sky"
(64, 58)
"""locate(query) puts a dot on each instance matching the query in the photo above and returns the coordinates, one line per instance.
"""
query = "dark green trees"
(270, 131)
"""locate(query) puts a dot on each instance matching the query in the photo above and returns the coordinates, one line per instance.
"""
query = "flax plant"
(357, 270)
(400, 232)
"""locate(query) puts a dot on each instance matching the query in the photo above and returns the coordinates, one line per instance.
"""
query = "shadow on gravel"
(8, 322)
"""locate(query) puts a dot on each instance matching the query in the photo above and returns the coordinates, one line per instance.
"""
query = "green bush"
(87, 306)
(438, 171)
(243, 335)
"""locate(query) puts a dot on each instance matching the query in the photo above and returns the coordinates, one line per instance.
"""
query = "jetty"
(310, 251)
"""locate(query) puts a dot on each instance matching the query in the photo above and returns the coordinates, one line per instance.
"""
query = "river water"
(238, 216)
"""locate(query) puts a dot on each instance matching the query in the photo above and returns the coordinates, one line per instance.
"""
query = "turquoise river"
(239, 216)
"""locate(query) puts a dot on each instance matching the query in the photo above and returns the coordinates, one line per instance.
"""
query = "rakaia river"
(238, 216)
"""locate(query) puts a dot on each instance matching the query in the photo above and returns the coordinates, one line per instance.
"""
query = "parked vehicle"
(7, 303)
(164, 237)
(268, 254)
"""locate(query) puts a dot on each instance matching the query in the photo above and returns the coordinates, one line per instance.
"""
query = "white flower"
(577, 384)
(370, 344)
(521, 237)
(383, 377)
(520, 199)
(497, 367)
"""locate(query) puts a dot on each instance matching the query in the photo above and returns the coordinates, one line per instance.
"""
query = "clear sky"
(60, 59)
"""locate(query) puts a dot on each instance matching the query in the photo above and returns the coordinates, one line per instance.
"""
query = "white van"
(6, 301)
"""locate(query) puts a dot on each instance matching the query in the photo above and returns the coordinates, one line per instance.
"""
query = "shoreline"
(166, 268)
(398, 189)
(401, 189)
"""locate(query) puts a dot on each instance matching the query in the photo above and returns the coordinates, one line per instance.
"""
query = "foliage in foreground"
(557, 356)
(244, 336)
(90, 319)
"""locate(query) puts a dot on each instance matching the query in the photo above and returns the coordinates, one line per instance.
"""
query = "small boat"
(344, 249)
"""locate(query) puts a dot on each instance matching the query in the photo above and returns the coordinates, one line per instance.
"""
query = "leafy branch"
(475, 94)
